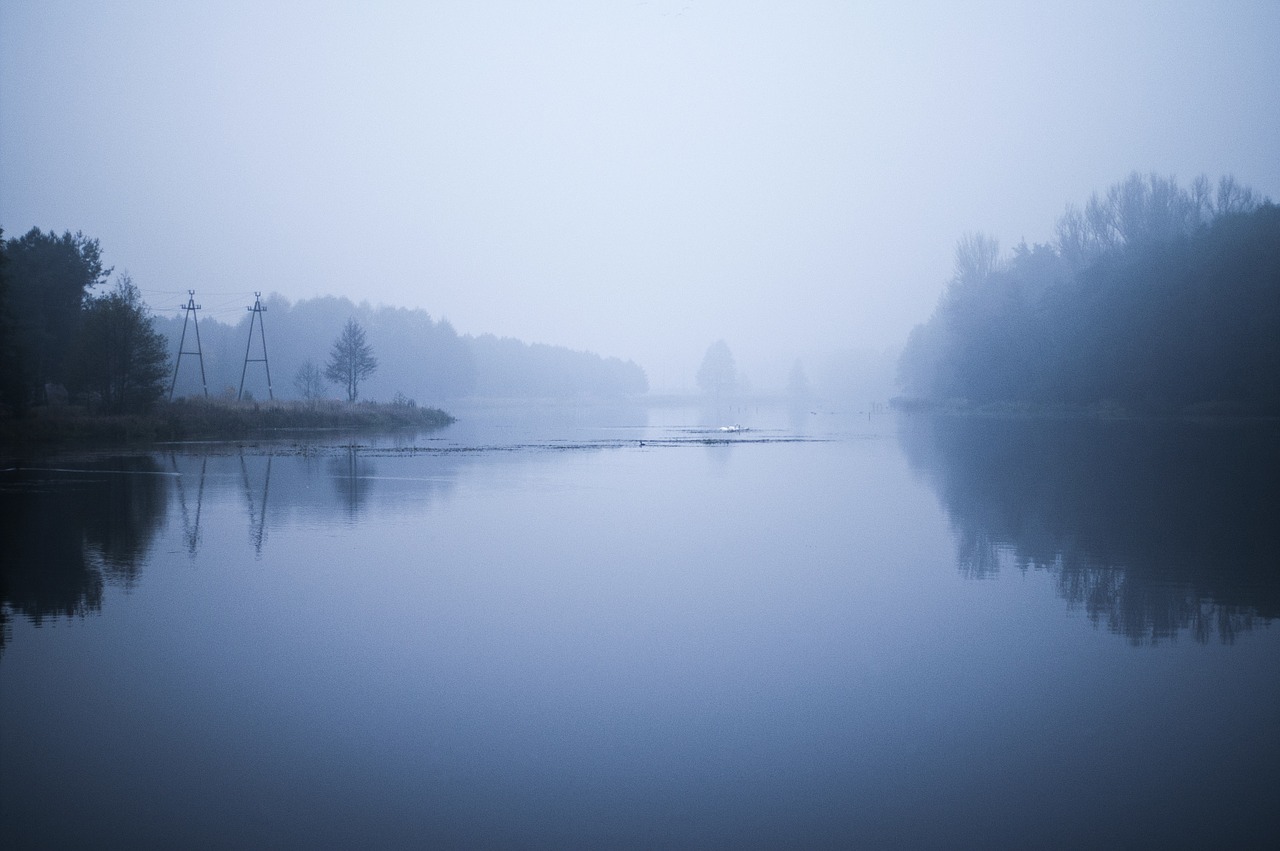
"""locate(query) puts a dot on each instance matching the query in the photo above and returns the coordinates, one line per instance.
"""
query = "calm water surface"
(625, 627)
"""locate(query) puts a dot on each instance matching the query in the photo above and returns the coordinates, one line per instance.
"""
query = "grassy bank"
(187, 419)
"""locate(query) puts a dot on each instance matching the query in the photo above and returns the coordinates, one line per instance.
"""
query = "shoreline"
(60, 428)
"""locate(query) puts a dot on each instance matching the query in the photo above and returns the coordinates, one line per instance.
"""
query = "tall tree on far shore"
(14, 391)
(718, 375)
(48, 278)
(351, 360)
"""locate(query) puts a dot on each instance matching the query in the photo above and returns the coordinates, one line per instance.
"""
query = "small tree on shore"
(351, 360)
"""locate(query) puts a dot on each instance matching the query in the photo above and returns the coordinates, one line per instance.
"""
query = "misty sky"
(635, 178)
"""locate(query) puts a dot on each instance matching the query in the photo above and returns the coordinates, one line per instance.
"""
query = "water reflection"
(68, 531)
(255, 501)
(190, 505)
(1151, 528)
(352, 477)
(69, 528)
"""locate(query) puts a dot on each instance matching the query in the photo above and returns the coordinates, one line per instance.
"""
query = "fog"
(635, 179)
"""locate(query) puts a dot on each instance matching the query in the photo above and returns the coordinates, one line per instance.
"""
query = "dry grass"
(188, 419)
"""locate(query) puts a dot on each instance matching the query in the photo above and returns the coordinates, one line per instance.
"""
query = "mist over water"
(636, 180)
(675, 576)
(628, 626)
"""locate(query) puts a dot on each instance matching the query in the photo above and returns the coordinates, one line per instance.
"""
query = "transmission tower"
(257, 310)
(190, 307)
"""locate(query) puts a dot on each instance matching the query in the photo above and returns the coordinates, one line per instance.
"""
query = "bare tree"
(1145, 209)
(351, 360)
(977, 258)
(309, 381)
(1234, 198)
(1151, 209)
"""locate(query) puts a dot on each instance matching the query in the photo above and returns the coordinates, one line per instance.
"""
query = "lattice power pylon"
(190, 307)
(257, 310)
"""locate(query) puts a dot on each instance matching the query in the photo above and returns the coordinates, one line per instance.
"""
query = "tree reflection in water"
(351, 478)
(1153, 528)
(68, 531)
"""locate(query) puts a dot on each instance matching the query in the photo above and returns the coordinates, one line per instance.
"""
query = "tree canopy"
(118, 359)
(13, 371)
(54, 331)
(1154, 298)
(48, 278)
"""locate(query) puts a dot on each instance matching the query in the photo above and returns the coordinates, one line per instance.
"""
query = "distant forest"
(418, 357)
(68, 337)
(1153, 298)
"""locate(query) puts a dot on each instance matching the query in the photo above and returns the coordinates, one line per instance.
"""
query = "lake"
(627, 627)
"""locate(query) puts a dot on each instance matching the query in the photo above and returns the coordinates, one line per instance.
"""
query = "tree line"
(70, 332)
(59, 337)
(416, 356)
(1153, 298)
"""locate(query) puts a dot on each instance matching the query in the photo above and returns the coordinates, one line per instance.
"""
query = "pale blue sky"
(638, 179)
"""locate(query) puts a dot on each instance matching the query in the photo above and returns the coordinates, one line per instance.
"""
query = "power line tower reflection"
(257, 508)
(190, 528)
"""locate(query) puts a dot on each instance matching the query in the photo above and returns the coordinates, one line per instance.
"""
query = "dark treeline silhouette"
(1152, 526)
(418, 357)
(47, 278)
(59, 339)
(1153, 298)
(68, 533)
